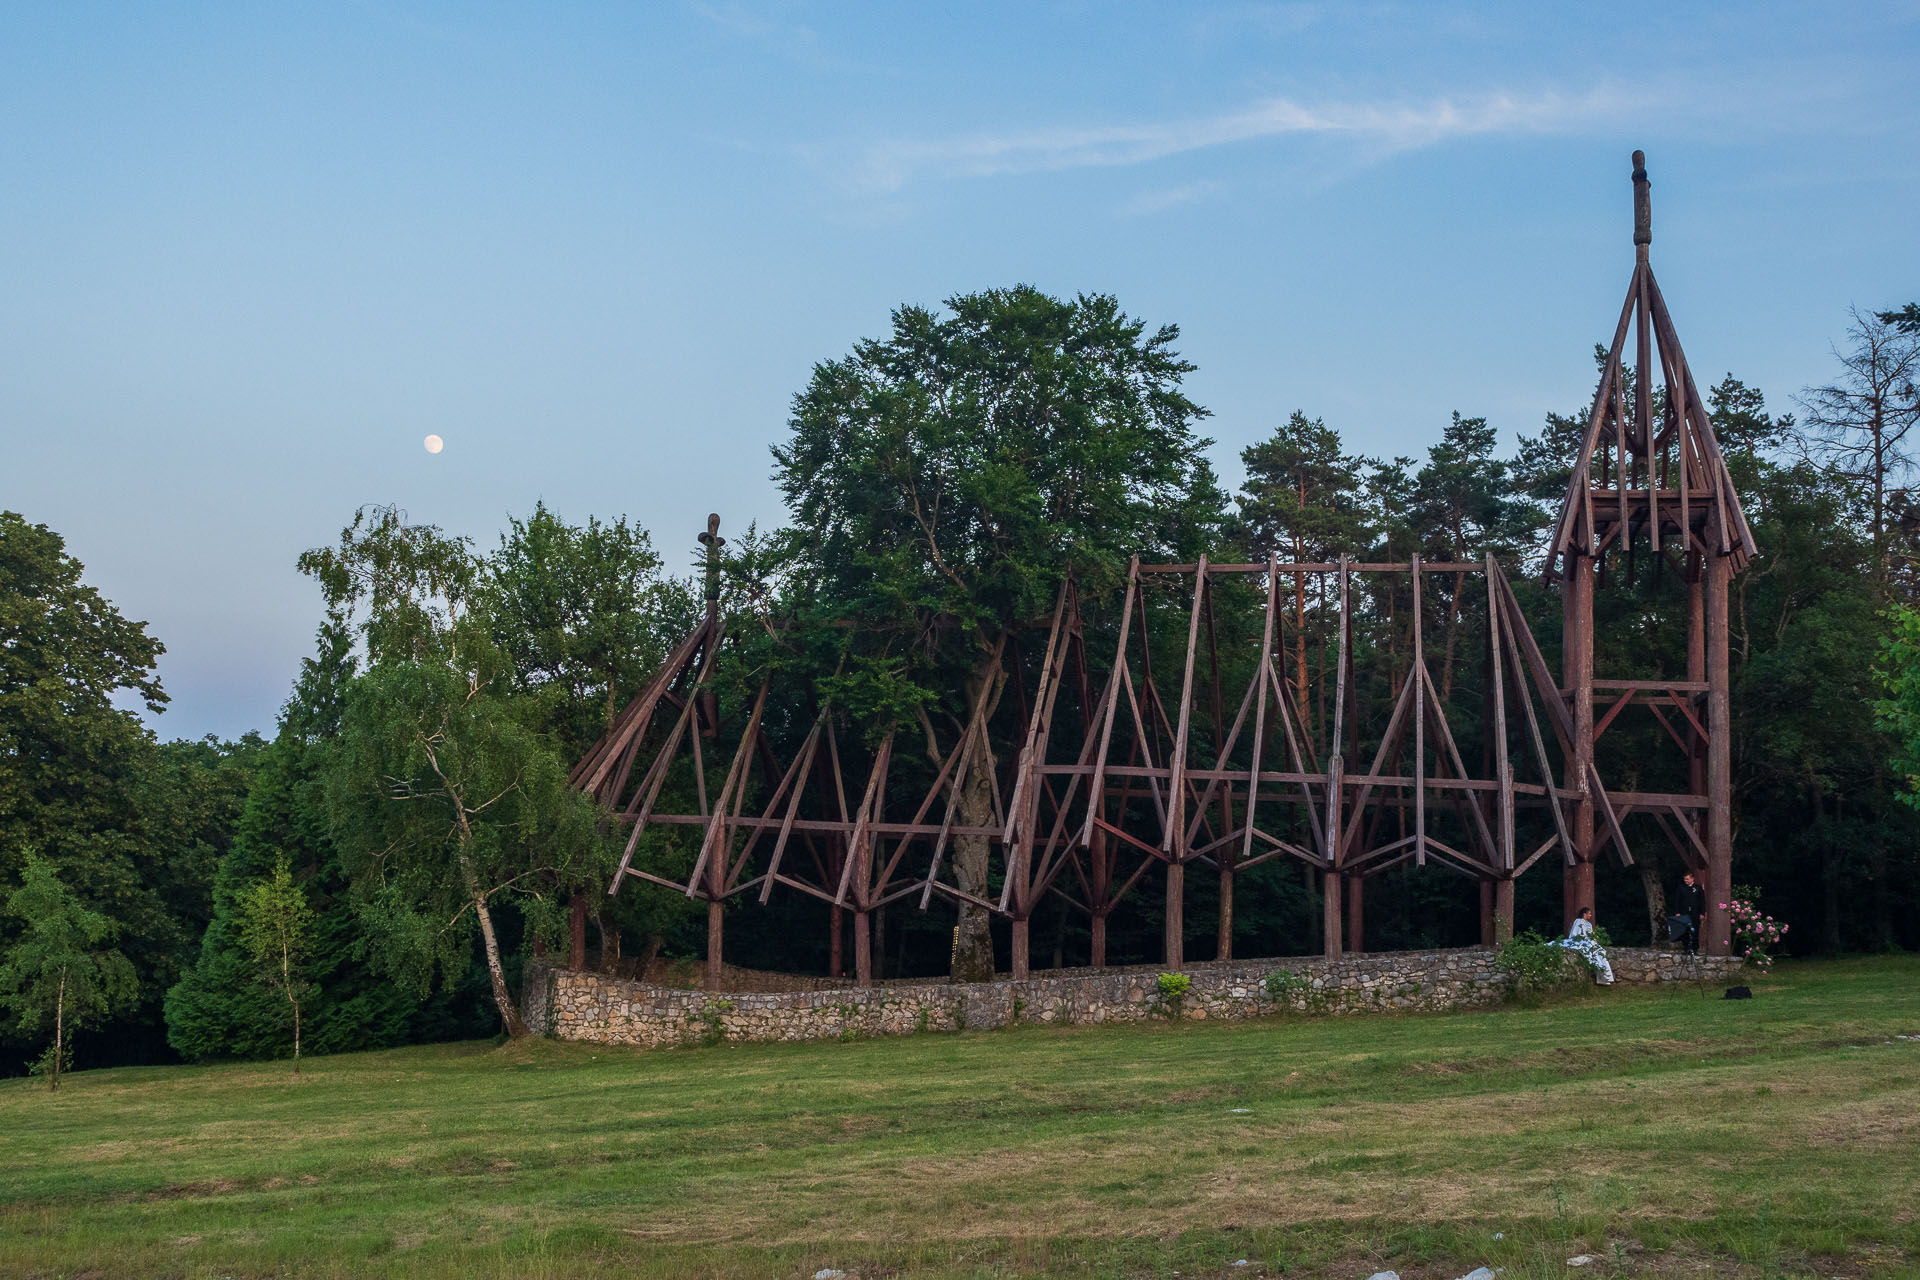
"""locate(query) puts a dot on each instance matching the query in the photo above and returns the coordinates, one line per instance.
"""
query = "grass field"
(1660, 1131)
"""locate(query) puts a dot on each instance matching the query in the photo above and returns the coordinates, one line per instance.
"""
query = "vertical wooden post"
(577, 932)
(1176, 925)
(1503, 910)
(836, 942)
(862, 949)
(1418, 675)
(1020, 959)
(1330, 914)
(716, 928)
(1100, 860)
(1223, 938)
(1486, 913)
(1696, 673)
(1577, 679)
(1356, 915)
(1715, 936)
(1175, 841)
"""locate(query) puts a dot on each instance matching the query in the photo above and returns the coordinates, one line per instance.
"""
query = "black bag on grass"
(1738, 993)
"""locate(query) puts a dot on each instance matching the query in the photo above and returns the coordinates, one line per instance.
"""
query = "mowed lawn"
(1660, 1131)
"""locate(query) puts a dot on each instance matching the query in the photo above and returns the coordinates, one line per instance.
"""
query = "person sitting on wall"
(1691, 902)
(1581, 942)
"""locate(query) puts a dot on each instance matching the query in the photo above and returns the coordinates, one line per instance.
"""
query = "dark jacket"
(1691, 900)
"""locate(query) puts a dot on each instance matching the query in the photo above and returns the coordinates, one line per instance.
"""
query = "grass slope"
(1659, 1130)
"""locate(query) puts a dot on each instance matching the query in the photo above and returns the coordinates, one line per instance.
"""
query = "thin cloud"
(1171, 198)
(1392, 127)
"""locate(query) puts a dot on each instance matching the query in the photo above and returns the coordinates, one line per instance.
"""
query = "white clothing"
(1580, 941)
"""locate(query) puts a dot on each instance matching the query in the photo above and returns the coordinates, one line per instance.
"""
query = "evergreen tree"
(1302, 502)
(218, 1009)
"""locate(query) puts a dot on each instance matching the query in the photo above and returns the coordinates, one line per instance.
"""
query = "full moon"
(435, 444)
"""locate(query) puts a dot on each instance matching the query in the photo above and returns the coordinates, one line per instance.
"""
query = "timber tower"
(1650, 480)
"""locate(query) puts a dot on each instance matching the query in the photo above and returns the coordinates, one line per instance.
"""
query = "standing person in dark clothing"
(1691, 902)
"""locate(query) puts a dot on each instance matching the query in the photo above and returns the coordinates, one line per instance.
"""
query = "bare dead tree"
(1859, 424)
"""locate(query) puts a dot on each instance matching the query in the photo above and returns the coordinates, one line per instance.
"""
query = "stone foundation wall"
(573, 1005)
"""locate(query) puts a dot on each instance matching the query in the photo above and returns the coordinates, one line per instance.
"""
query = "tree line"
(378, 870)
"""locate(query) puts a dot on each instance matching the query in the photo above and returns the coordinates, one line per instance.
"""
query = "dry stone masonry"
(574, 1005)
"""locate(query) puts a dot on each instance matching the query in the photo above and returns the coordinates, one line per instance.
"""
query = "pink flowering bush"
(1755, 934)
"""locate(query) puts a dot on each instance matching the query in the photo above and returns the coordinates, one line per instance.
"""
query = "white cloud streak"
(1172, 198)
(1386, 126)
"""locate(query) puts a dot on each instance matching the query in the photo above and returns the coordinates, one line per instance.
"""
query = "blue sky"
(251, 254)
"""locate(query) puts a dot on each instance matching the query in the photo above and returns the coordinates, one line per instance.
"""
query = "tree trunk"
(496, 974)
(577, 932)
(286, 985)
(973, 944)
(1656, 901)
(609, 941)
(59, 1032)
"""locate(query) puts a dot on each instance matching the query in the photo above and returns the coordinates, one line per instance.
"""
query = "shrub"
(1283, 985)
(1172, 988)
(1533, 964)
(1754, 934)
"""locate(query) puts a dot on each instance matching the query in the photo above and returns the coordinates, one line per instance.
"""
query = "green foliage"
(1170, 993)
(712, 1019)
(1898, 712)
(134, 828)
(1533, 964)
(444, 797)
(56, 974)
(1303, 499)
(1284, 986)
(276, 928)
(219, 1009)
(961, 467)
(582, 616)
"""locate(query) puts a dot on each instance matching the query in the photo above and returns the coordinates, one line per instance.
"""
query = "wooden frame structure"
(1650, 476)
(1104, 787)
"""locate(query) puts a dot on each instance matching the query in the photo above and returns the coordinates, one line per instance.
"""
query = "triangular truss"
(1102, 788)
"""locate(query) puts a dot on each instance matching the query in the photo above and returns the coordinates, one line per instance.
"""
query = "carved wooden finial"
(1642, 201)
(712, 541)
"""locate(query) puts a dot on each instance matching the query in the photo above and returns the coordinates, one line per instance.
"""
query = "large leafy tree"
(132, 827)
(583, 615)
(944, 480)
(445, 802)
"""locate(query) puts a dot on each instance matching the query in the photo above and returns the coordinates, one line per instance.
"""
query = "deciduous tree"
(444, 801)
(56, 972)
(943, 480)
(276, 927)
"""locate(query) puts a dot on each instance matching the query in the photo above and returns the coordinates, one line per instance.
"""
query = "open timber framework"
(1109, 785)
